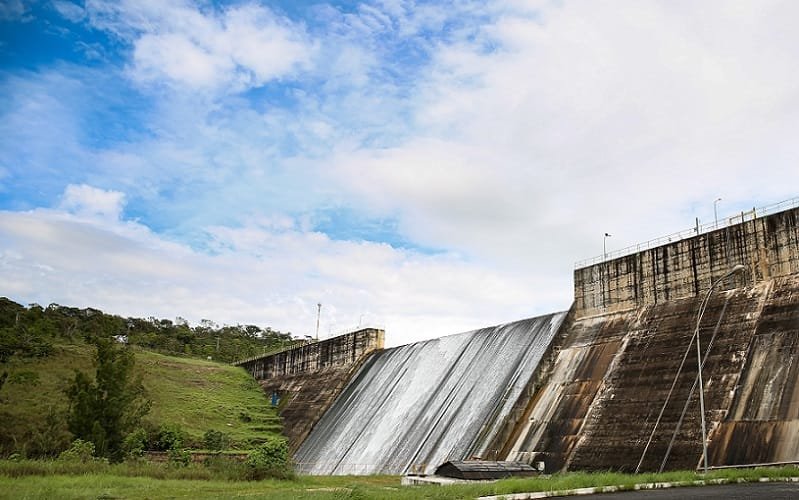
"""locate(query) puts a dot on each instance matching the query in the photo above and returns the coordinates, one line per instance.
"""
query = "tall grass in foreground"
(215, 469)
(53, 479)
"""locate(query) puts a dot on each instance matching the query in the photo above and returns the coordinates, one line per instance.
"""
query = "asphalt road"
(776, 491)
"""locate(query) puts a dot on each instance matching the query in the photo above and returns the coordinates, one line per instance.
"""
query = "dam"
(611, 384)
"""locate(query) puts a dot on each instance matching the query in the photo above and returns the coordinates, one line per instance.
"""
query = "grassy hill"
(195, 394)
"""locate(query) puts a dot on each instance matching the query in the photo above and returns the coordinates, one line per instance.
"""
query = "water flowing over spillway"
(411, 408)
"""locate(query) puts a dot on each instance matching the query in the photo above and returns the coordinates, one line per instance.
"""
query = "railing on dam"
(694, 231)
(297, 343)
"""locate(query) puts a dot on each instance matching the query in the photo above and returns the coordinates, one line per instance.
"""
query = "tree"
(104, 410)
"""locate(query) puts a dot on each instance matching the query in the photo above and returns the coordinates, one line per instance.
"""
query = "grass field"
(198, 395)
(115, 484)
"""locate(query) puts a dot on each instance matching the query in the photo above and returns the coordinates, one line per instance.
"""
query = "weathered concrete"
(768, 247)
(763, 423)
(634, 389)
(342, 350)
(632, 322)
(556, 412)
(308, 378)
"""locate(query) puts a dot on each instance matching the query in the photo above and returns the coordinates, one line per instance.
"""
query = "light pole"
(318, 314)
(605, 246)
(716, 212)
(735, 269)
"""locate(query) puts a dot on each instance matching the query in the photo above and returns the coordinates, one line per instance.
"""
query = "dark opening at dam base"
(610, 384)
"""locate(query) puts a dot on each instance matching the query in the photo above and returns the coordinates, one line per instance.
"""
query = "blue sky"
(432, 167)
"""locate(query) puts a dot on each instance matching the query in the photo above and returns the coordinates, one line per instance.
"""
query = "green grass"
(201, 395)
(196, 394)
(32, 479)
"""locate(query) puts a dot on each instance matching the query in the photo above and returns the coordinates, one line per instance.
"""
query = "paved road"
(776, 491)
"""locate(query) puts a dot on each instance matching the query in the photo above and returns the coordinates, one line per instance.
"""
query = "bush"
(135, 443)
(215, 440)
(170, 437)
(79, 451)
(271, 459)
(179, 457)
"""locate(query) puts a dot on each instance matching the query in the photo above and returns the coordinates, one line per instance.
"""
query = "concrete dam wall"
(411, 408)
(612, 384)
(307, 379)
(609, 388)
(767, 246)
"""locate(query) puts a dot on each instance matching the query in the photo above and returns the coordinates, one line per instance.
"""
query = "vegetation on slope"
(196, 403)
(195, 395)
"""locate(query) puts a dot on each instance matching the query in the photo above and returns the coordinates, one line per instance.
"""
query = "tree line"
(31, 332)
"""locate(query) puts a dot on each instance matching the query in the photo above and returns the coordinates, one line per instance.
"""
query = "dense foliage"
(31, 331)
(271, 459)
(103, 410)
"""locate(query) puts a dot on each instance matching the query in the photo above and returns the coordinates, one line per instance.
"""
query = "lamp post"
(716, 212)
(318, 314)
(735, 269)
(605, 246)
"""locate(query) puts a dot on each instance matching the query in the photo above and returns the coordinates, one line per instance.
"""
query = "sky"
(430, 167)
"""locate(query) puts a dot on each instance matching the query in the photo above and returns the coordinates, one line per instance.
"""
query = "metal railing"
(694, 231)
(293, 345)
(353, 329)
(303, 342)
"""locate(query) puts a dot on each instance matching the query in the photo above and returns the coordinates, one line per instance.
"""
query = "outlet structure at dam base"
(611, 384)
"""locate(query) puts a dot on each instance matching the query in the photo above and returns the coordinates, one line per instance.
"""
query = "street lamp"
(735, 269)
(605, 246)
(716, 212)
(318, 314)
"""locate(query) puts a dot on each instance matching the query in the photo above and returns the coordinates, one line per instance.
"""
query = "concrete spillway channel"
(411, 408)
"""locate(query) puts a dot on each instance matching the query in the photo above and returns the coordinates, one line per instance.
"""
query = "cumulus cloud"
(269, 272)
(90, 201)
(581, 119)
(229, 49)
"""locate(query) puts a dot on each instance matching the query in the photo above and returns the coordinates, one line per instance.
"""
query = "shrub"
(215, 440)
(135, 443)
(179, 457)
(271, 459)
(79, 451)
(170, 437)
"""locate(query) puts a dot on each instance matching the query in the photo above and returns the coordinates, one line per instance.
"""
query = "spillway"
(411, 408)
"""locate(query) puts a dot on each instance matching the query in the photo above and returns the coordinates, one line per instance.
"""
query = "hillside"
(196, 394)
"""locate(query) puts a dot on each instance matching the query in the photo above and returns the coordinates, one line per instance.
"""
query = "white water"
(411, 408)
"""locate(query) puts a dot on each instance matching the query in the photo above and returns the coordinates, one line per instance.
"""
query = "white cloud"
(269, 272)
(584, 119)
(69, 10)
(90, 201)
(13, 10)
(180, 43)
